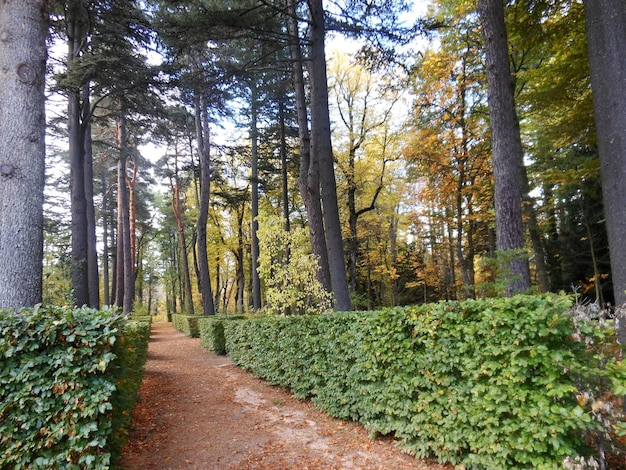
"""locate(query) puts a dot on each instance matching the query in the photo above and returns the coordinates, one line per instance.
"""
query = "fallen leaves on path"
(196, 410)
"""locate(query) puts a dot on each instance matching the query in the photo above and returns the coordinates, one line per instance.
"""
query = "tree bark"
(283, 165)
(321, 149)
(186, 294)
(507, 151)
(93, 277)
(76, 135)
(254, 144)
(105, 240)
(204, 153)
(126, 274)
(114, 256)
(131, 185)
(23, 33)
(606, 37)
(309, 167)
(239, 255)
(118, 298)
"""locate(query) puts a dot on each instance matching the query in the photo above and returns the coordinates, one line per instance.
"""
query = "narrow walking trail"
(196, 410)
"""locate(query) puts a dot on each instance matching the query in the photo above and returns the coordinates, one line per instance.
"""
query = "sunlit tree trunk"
(23, 33)
(131, 184)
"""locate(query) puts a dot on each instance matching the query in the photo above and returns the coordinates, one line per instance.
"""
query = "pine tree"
(507, 149)
(606, 35)
(23, 37)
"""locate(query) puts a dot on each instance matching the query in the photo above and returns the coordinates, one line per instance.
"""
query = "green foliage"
(187, 324)
(68, 380)
(127, 370)
(211, 329)
(288, 269)
(142, 318)
(485, 384)
(502, 264)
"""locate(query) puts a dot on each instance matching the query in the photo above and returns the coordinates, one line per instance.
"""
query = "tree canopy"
(373, 128)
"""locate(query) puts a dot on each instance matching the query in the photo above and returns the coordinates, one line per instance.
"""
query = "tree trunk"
(105, 240)
(507, 151)
(321, 150)
(140, 270)
(393, 240)
(284, 180)
(114, 255)
(465, 256)
(125, 264)
(254, 142)
(606, 37)
(536, 236)
(186, 294)
(76, 137)
(118, 298)
(283, 165)
(552, 246)
(174, 273)
(204, 153)
(23, 33)
(131, 184)
(309, 166)
(451, 278)
(353, 241)
(93, 278)
(239, 255)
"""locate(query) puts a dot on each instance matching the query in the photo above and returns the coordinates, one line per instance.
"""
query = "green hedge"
(127, 370)
(187, 324)
(68, 381)
(142, 318)
(211, 329)
(484, 384)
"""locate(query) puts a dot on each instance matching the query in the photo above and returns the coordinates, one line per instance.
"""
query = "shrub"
(64, 379)
(187, 324)
(211, 330)
(127, 370)
(487, 384)
(493, 383)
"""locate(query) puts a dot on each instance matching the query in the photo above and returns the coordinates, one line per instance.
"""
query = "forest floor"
(196, 410)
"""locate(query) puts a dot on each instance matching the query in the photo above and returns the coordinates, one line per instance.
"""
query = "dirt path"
(196, 410)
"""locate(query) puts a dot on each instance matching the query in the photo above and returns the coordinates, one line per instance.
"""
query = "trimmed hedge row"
(68, 382)
(484, 384)
(187, 324)
(127, 370)
(211, 329)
